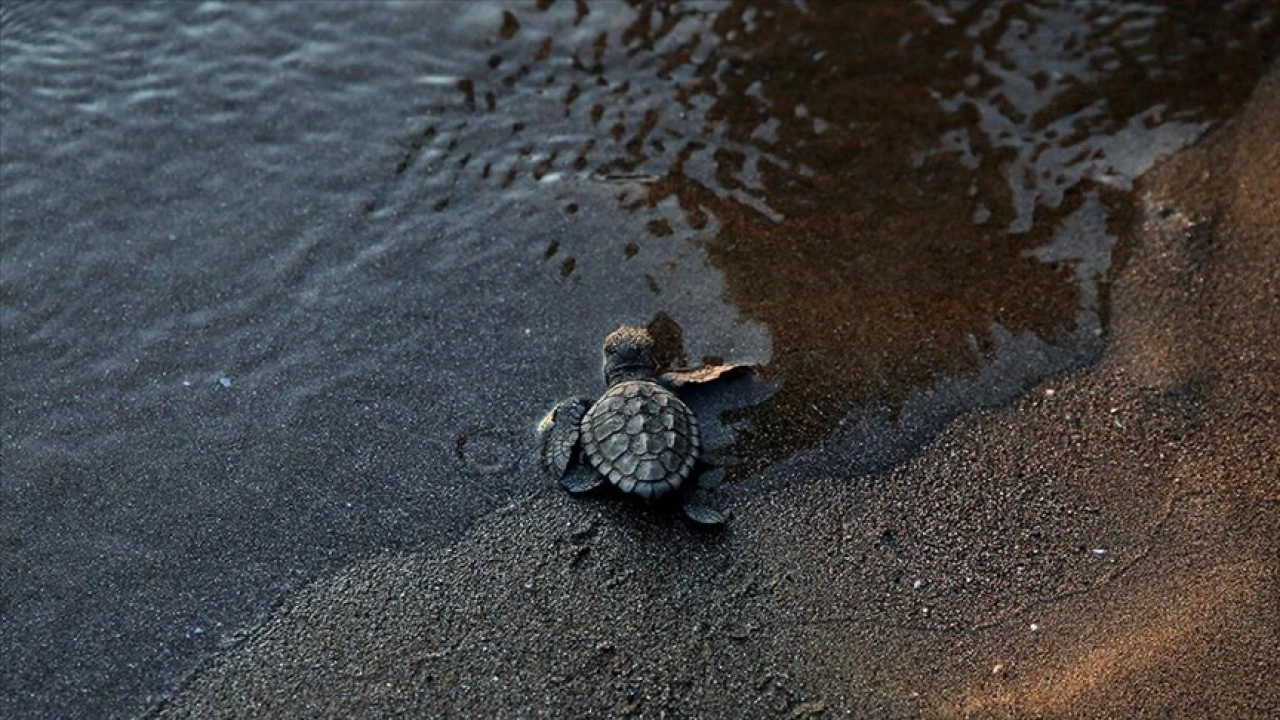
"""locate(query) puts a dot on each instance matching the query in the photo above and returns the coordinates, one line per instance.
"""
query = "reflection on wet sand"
(924, 164)
(875, 180)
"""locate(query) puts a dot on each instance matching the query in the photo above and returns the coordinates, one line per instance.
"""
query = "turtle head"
(628, 355)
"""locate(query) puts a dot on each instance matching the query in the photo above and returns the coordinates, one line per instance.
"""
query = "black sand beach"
(1102, 548)
(285, 287)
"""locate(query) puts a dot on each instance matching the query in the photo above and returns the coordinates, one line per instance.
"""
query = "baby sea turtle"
(639, 436)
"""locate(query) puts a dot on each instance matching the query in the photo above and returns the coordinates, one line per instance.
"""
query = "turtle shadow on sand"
(639, 436)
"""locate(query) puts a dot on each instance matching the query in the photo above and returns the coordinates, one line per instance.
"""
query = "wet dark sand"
(1104, 547)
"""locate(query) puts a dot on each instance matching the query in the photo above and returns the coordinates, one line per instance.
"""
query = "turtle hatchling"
(639, 436)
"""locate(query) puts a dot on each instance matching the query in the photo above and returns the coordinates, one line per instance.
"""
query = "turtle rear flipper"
(559, 430)
(704, 514)
(581, 479)
(700, 503)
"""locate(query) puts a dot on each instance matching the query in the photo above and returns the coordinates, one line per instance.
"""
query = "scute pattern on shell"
(641, 437)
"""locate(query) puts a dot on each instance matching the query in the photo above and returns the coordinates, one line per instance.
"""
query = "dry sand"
(1104, 547)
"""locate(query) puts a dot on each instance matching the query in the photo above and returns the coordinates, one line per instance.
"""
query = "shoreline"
(1102, 547)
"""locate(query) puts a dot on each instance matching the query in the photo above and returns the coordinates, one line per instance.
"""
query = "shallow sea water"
(287, 284)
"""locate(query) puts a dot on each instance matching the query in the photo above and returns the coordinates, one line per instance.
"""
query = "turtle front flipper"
(700, 502)
(559, 430)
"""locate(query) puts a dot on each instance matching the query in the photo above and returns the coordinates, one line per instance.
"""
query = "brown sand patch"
(979, 529)
(1134, 648)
